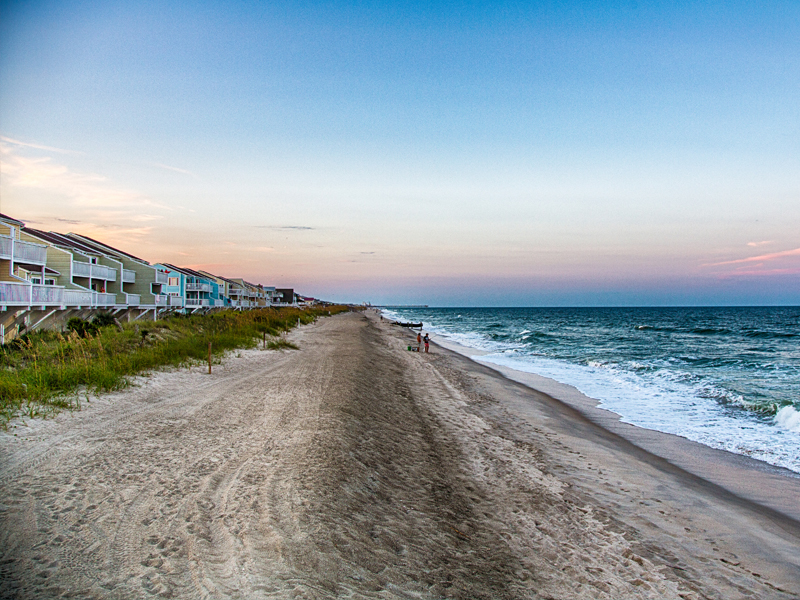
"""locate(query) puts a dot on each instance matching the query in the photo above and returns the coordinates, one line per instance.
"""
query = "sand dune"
(352, 468)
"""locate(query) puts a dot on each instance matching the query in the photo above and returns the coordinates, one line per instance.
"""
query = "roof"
(186, 271)
(7, 218)
(225, 279)
(103, 246)
(59, 239)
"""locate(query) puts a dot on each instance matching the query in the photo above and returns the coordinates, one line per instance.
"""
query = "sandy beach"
(352, 468)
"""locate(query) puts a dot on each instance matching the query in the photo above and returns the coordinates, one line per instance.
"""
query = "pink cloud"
(760, 258)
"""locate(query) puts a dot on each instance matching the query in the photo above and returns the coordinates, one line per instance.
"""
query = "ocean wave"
(715, 381)
(770, 334)
(788, 418)
(709, 331)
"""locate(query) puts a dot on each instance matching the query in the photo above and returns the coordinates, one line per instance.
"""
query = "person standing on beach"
(419, 339)
(427, 340)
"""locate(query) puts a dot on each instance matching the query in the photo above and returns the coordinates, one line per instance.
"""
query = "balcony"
(103, 272)
(128, 276)
(6, 247)
(83, 269)
(219, 302)
(26, 294)
(194, 302)
(15, 294)
(133, 299)
(101, 299)
(161, 277)
(198, 287)
(175, 300)
(77, 298)
(29, 253)
(160, 300)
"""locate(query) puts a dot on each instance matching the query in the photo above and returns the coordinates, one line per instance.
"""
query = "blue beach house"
(188, 290)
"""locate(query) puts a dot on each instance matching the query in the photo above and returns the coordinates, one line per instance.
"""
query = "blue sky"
(569, 153)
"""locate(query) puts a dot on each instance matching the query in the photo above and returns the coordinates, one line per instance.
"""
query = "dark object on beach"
(409, 324)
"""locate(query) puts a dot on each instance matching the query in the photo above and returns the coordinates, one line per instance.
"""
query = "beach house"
(140, 282)
(192, 291)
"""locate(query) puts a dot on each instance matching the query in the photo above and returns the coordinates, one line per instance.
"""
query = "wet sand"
(353, 468)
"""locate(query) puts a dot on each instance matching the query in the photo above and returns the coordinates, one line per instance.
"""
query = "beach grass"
(48, 371)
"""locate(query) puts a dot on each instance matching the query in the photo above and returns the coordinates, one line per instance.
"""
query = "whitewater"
(728, 378)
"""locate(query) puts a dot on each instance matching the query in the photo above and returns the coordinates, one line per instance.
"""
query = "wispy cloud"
(93, 201)
(758, 259)
(84, 189)
(285, 227)
(757, 244)
(174, 169)
(9, 140)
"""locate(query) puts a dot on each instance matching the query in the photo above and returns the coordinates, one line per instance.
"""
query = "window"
(36, 280)
(173, 281)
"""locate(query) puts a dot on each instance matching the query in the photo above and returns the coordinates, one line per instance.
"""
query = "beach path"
(352, 468)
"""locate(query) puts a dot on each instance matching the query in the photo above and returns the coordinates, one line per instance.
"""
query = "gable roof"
(186, 271)
(102, 246)
(59, 239)
(15, 221)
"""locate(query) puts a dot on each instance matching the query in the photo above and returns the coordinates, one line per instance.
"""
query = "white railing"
(160, 300)
(6, 246)
(77, 298)
(198, 287)
(26, 294)
(104, 272)
(101, 299)
(175, 300)
(128, 276)
(198, 302)
(47, 294)
(15, 293)
(83, 269)
(219, 302)
(31, 253)
(133, 299)
(161, 277)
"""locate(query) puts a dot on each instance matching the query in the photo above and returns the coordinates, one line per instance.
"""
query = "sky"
(451, 154)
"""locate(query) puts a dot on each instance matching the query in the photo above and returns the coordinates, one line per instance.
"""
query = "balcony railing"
(15, 293)
(198, 287)
(104, 272)
(77, 298)
(28, 252)
(198, 302)
(219, 302)
(160, 300)
(101, 299)
(161, 277)
(26, 294)
(6, 247)
(128, 276)
(175, 300)
(133, 299)
(82, 269)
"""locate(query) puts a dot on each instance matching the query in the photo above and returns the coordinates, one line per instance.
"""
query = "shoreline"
(756, 481)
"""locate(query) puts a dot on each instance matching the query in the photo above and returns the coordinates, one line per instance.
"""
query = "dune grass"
(47, 371)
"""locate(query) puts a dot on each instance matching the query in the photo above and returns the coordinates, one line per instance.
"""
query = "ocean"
(728, 378)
